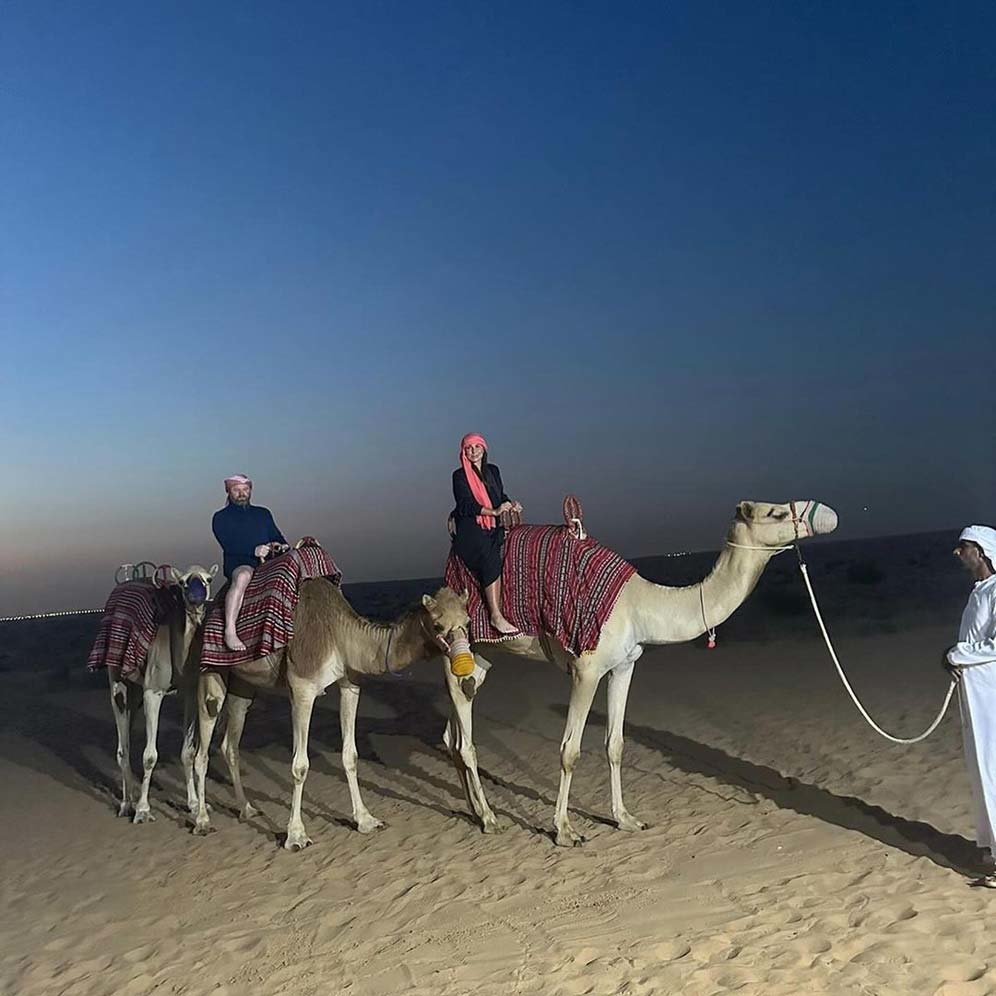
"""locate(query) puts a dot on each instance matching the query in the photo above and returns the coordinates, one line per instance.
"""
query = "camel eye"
(779, 513)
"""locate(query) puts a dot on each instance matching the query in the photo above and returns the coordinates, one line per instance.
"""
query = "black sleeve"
(467, 506)
(499, 487)
(274, 534)
(221, 534)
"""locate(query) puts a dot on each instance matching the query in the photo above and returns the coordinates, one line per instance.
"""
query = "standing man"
(247, 533)
(972, 662)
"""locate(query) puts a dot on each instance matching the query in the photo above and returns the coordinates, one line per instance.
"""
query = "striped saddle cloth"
(552, 583)
(133, 613)
(266, 620)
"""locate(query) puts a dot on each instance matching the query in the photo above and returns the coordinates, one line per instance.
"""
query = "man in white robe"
(972, 662)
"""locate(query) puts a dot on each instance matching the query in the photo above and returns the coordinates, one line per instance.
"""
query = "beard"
(241, 500)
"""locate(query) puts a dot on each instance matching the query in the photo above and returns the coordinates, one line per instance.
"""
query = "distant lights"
(50, 615)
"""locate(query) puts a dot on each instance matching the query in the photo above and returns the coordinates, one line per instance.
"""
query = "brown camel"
(331, 644)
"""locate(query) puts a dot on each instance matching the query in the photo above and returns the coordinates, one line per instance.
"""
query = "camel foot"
(126, 809)
(247, 812)
(630, 823)
(567, 837)
(494, 825)
(194, 807)
(370, 824)
(143, 816)
(297, 841)
(233, 642)
(202, 828)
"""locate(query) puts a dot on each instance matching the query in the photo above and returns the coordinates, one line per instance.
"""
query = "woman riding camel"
(479, 537)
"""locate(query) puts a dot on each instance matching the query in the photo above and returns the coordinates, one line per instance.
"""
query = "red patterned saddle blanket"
(266, 620)
(552, 582)
(133, 613)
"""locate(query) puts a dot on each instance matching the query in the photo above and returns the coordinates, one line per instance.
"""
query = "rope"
(850, 691)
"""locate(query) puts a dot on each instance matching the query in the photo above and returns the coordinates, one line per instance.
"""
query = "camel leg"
(619, 680)
(238, 707)
(189, 749)
(303, 695)
(153, 703)
(349, 699)
(123, 696)
(459, 739)
(211, 691)
(582, 693)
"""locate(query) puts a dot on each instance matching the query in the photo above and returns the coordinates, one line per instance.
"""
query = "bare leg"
(233, 603)
(122, 702)
(349, 699)
(492, 595)
(153, 702)
(619, 679)
(459, 739)
(235, 722)
(211, 693)
(303, 696)
(582, 692)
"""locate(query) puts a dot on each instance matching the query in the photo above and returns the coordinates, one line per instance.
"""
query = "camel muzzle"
(824, 520)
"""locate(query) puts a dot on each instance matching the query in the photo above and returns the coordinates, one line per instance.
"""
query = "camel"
(645, 614)
(331, 644)
(169, 664)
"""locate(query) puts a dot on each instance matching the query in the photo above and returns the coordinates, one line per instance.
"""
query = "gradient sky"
(663, 255)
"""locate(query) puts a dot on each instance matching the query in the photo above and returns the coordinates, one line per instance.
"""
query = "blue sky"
(665, 256)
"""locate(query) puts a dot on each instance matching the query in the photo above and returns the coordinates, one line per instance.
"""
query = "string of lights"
(50, 615)
(89, 612)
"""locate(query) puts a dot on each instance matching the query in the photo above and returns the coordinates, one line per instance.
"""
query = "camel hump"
(574, 517)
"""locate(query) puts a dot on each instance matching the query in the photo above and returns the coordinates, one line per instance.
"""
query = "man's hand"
(953, 669)
(451, 526)
(517, 507)
(505, 506)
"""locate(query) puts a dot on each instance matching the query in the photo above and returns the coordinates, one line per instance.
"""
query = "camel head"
(194, 583)
(764, 524)
(445, 620)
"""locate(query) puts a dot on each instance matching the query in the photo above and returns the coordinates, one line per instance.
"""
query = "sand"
(790, 849)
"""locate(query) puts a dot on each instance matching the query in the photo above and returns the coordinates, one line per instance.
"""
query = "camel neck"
(400, 645)
(676, 615)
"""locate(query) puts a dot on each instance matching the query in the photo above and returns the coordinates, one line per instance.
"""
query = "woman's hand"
(263, 550)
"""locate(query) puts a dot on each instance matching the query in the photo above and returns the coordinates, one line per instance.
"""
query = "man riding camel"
(247, 534)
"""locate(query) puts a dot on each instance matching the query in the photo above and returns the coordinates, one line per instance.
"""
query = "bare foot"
(233, 642)
(504, 626)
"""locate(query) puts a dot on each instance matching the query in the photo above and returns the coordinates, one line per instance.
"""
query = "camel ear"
(175, 575)
(745, 510)
(214, 570)
(465, 598)
(429, 602)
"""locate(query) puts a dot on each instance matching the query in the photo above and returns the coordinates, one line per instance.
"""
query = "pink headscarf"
(477, 488)
(236, 479)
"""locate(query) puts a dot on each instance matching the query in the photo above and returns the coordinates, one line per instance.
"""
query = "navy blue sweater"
(240, 529)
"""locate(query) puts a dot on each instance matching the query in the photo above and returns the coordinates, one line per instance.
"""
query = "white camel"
(332, 644)
(172, 662)
(645, 614)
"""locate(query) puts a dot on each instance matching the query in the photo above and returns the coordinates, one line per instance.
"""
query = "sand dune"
(790, 849)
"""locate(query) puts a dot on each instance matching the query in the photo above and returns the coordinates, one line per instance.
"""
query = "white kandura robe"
(975, 651)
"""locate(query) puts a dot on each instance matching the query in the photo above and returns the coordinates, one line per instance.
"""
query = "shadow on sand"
(911, 836)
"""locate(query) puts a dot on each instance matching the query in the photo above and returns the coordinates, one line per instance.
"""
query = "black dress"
(480, 549)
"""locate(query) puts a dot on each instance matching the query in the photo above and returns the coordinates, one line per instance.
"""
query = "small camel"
(331, 644)
(169, 664)
(645, 614)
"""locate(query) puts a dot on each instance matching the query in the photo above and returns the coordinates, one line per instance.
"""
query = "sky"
(664, 256)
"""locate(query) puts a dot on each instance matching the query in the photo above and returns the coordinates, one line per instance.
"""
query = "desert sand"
(790, 849)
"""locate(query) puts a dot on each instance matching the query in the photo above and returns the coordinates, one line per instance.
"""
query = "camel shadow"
(913, 837)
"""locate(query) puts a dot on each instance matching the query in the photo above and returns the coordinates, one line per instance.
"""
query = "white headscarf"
(985, 536)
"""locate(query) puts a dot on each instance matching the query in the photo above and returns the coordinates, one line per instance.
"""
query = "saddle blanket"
(133, 613)
(551, 583)
(266, 620)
